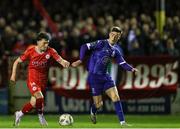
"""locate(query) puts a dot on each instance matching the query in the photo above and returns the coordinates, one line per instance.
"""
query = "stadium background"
(151, 42)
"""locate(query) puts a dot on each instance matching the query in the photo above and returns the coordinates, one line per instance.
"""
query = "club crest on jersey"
(47, 56)
(105, 59)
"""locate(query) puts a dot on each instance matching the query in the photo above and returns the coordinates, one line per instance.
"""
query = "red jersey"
(38, 66)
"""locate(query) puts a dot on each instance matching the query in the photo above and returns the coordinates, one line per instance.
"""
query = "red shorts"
(35, 87)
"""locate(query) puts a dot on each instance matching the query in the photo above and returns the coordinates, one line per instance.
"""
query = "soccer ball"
(66, 119)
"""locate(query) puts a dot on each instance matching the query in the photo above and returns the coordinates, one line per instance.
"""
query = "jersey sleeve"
(55, 55)
(83, 50)
(120, 60)
(93, 45)
(25, 55)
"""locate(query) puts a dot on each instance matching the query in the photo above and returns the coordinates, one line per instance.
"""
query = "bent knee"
(38, 95)
(98, 104)
(115, 98)
(33, 103)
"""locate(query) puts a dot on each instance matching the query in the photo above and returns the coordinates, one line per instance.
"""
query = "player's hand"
(12, 83)
(134, 70)
(76, 63)
(65, 63)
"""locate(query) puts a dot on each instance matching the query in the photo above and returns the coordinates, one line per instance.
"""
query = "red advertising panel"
(157, 76)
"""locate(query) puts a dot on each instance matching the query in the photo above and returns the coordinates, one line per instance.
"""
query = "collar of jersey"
(112, 46)
(38, 51)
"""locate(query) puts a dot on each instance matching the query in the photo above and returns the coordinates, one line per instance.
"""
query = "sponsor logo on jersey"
(41, 63)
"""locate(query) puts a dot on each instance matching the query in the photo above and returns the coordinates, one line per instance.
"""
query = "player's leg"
(29, 106)
(39, 101)
(97, 103)
(113, 94)
(33, 101)
(96, 84)
(26, 108)
(40, 107)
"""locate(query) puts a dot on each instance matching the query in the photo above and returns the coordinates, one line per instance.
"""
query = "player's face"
(42, 44)
(114, 37)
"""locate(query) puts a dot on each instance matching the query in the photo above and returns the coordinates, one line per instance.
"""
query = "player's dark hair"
(116, 29)
(43, 35)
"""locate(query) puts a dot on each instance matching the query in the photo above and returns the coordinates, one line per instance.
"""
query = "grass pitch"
(104, 121)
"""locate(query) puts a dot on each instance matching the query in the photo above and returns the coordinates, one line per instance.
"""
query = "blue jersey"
(102, 53)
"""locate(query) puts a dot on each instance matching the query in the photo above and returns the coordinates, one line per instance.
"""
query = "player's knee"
(38, 95)
(115, 98)
(33, 103)
(99, 104)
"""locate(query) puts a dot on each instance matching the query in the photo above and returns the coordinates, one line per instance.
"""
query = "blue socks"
(93, 109)
(119, 110)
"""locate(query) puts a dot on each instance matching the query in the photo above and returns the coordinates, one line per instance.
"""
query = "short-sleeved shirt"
(38, 65)
(102, 53)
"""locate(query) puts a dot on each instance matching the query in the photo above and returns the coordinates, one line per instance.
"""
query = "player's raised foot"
(124, 124)
(93, 117)
(42, 120)
(18, 115)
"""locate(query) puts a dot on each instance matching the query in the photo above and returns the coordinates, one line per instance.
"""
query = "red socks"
(40, 105)
(27, 108)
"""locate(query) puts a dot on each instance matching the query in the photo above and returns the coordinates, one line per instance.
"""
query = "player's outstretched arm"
(76, 63)
(59, 59)
(64, 63)
(120, 60)
(83, 50)
(128, 67)
(14, 69)
(134, 70)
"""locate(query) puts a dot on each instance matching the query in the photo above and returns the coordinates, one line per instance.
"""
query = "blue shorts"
(99, 83)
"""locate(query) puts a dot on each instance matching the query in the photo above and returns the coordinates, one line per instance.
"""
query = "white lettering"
(142, 79)
(82, 78)
(157, 72)
(129, 81)
(55, 77)
(171, 77)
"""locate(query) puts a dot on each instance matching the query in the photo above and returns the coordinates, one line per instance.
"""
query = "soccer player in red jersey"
(39, 61)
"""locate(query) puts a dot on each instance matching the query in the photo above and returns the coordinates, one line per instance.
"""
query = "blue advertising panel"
(61, 104)
(3, 101)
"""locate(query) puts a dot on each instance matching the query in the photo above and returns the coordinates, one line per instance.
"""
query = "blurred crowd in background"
(82, 21)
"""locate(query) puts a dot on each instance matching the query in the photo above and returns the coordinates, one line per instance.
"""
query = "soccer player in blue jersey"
(98, 78)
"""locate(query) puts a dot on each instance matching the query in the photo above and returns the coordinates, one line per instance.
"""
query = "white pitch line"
(89, 128)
